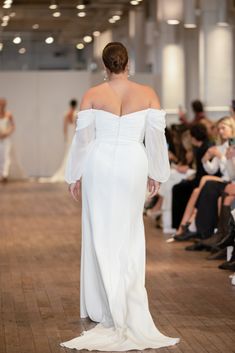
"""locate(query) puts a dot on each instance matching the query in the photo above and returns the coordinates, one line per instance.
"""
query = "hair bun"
(115, 57)
(115, 63)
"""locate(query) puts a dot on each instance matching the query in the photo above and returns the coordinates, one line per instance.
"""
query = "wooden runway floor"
(39, 279)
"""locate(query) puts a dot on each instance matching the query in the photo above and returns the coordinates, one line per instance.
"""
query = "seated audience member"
(182, 191)
(179, 170)
(214, 161)
(219, 238)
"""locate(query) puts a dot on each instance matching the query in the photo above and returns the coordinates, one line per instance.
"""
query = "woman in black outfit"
(182, 191)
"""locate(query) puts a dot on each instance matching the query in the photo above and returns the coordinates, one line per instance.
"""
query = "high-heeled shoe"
(184, 228)
(229, 239)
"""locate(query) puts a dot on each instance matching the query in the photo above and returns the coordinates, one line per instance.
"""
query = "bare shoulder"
(150, 94)
(89, 96)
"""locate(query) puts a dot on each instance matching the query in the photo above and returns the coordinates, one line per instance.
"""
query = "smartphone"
(231, 141)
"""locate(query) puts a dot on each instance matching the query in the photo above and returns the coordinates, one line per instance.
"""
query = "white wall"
(38, 101)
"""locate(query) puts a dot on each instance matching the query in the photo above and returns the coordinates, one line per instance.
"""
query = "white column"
(172, 63)
(137, 39)
(215, 61)
(191, 52)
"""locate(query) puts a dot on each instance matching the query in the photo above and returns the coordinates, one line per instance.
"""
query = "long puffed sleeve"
(217, 164)
(82, 143)
(156, 146)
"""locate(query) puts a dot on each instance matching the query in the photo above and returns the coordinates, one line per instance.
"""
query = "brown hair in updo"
(115, 57)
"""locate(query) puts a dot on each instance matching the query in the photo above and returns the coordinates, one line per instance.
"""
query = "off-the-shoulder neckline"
(121, 116)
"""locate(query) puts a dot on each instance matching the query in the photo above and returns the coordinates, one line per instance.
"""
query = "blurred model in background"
(7, 127)
(10, 168)
(68, 130)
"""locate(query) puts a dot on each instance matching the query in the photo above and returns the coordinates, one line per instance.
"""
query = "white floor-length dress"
(58, 176)
(5, 149)
(108, 152)
(9, 163)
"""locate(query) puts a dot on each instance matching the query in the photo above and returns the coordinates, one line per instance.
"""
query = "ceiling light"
(222, 13)
(1, 46)
(173, 22)
(22, 51)
(81, 7)
(12, 14)
(56, 14)
(96, 33)
(17, 40)
(81, 14)
(190, 25)
(5, 18)
(80, 46)
(49, 40)
(189, 14)
(134, 2)
(223, 24)
(111, 20)
(53, 5)
(87, 39)
(4, 24)
(35, 26)
(172, 11)
(116, 17)
(6, 6)
(8, 1)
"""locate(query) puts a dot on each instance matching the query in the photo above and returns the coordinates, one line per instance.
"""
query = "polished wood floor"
(39, 279)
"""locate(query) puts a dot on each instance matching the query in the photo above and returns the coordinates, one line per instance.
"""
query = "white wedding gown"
(108, 153)
(9, 165)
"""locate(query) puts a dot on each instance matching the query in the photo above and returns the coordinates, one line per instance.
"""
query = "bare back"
(120, 97)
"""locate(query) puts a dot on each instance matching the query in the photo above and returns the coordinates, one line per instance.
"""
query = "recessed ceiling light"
(53, 6)
(111, 20)
(96, 33)
(12, 14)
(81, 14)
(22, 51)
(56, 14)
(5, 18)
(6, 6)
(49, 40)
(173, 22)
(87, 39)
(134, 2)
(17, 40)
(4, 24)
(8, 1)
(35, 26)
(81, 6)
(190, 25)
(116, 17)
(222, 24)
(80, 46)
(1, 46)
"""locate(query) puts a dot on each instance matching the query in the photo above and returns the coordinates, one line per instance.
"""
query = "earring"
(105, 75)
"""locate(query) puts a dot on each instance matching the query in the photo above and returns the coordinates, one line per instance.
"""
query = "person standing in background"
(68, 130)
(7, 127)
